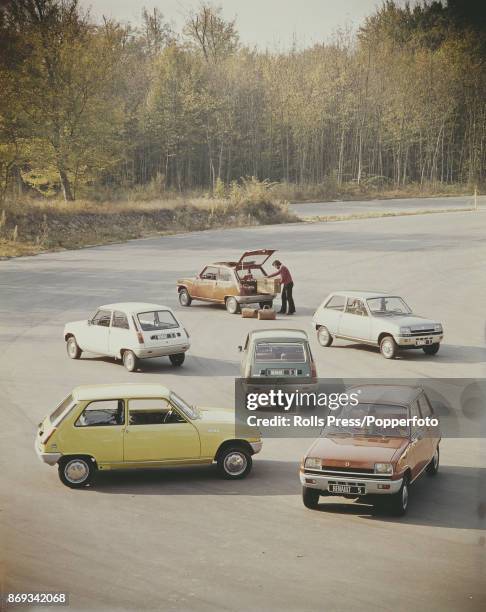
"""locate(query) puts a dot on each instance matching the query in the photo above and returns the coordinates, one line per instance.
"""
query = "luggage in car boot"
(267, 314)
(268, 285)
(249, 313)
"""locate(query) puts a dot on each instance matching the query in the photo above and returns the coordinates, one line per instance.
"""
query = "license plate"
(282, 372)
(346, 489)
(423, 342)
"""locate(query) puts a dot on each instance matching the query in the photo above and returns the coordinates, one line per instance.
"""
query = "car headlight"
(438, 327)
(383, 468)
(405, 331)
(313, 463)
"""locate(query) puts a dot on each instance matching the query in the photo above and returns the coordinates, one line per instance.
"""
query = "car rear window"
(62, 410)
(157, 319)
(283, 352)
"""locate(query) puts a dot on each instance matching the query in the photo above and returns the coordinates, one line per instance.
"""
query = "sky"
(263, 23)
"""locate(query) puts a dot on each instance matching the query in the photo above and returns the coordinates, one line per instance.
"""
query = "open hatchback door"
(251, 259)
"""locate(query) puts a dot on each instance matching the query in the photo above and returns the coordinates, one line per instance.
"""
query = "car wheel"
(76, 472)
(178, 359)
(433, 466)
(310, 497)
(431, 349)
(399, 501)
(232, 305)
(130, 360)
(72, 348)
(323, 336)
(388, 347)
(234, 462)
(184, 297)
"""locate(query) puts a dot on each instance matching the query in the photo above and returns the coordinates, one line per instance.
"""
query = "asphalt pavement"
(183, 539)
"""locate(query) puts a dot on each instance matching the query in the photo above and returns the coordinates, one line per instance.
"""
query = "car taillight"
(140, 337)
(313, 370)
(47, 436)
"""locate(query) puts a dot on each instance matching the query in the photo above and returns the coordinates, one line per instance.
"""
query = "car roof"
(134, 306)
(357, 293)
(121, 390)
(400, 395)
(269, 334)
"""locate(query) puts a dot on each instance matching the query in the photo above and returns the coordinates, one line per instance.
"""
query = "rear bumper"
(253, 299)
(161, 351)
(411, 341)
(373, 486)
(49, 458)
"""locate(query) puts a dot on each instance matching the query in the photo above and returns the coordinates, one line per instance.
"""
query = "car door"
(420, 441)
(96, 337)
(355, 321)
(98, 431)
(225, 284)
(330, 314)
(157, 431)
(432, 432)
(120, 336)
(204, 287)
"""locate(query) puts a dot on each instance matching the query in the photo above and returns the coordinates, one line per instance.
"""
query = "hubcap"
(405, 496)
(129, 361)
(184, 298)
(436, 458)
(235, 464)
(76, 471)
(71, 346)
(387, 348)
(232, 306)
(323, 336)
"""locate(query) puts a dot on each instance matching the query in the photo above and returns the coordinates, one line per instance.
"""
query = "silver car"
(377, 319)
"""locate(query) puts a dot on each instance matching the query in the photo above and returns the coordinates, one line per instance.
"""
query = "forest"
(100, 110)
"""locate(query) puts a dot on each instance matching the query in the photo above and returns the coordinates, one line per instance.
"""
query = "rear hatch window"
(157, 320)
(281, 359)
(62, 410)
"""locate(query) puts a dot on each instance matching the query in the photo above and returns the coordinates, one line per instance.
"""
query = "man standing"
(287, 286)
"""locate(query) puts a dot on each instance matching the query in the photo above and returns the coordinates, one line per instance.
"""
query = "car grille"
(422, 332)
(337, 471)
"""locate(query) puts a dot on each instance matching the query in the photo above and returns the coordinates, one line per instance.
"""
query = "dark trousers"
(287, 298)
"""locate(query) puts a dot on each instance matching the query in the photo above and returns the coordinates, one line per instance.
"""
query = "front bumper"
(49, 458)
(253, 299)
(418, 341)
(161, 351)
(318, 481)
(256, 446)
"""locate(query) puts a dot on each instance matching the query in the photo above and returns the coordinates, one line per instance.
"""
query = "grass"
(378, 214)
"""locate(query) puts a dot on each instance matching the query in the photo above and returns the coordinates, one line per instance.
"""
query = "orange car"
(231, 283)
(375, 462)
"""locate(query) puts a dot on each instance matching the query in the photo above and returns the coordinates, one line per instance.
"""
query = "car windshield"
(190, 411)
(62, 410)
(157, 319)
(388, 306)
(283, 352)
(357, 424)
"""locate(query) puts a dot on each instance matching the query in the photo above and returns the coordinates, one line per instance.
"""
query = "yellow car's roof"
(121, 390)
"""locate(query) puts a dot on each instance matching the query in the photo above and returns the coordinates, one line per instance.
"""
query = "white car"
(377, 319)
(129, 331)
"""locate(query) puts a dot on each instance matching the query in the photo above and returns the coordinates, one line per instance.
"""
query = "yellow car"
(104, 427)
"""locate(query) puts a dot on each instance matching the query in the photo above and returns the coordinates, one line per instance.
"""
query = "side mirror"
(240, 348)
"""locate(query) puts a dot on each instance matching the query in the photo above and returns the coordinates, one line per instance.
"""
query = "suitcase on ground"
(267, 314)
(249, 313)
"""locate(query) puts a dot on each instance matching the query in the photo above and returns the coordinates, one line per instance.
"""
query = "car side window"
(356, 307)
(336, 303)
(120, 320)
(157, 411)
(210, 273)
(101, 413)
(225, 275)
(425, 407)
(102, 318)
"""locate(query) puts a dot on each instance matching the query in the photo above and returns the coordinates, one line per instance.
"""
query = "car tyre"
(234, 462)
(232, 305)
(398, 503)
(177, 360)
(431, 349)
(310, 497)
(184, 297)
(130, 361)
(72, 348)
(433, 466)
(388, 347)
(76, 472)
(323, 336)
